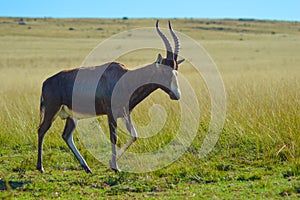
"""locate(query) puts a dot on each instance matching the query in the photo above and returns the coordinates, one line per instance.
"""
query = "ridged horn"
(176, 41)
(166, 42)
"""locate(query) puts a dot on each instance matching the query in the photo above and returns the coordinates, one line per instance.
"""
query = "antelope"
(57, 97)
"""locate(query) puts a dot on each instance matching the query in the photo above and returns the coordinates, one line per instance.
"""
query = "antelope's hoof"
(87, 169)
(41, 169)
(114, 167)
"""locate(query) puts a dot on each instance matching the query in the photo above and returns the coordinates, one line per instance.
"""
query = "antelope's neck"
(146, 86)
(140, 94)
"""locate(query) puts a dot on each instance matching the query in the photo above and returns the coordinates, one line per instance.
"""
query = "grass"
(256, 157)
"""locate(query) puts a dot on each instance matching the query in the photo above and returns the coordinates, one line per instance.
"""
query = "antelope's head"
(170, 74)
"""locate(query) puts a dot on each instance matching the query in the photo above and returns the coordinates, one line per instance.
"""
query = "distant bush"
(22, 22)
(246, 19)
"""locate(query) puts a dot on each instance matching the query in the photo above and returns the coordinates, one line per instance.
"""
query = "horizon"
(216, 9)
(141, 18)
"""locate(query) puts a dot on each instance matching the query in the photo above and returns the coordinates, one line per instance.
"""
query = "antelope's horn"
(166, 41)
(176, 41)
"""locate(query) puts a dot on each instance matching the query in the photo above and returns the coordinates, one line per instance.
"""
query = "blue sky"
(258, 9)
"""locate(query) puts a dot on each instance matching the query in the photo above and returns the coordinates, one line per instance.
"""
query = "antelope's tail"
(42, 111)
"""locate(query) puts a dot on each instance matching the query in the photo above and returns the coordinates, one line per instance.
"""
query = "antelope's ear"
(180, 61)
(159, 59)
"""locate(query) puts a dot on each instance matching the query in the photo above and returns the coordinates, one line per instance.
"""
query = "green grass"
(256, 157)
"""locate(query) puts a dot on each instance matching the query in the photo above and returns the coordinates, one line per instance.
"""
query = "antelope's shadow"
(6, 185)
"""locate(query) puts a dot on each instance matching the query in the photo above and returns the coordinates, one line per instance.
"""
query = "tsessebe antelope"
(57, 97)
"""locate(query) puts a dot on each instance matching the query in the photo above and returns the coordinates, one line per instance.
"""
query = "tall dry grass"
(260, 72)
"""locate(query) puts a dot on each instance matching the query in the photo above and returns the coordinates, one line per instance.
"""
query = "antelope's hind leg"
(46, 122)
(68, 137)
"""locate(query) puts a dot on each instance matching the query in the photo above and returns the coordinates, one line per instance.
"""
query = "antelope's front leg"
(133, 136)
(113, 138)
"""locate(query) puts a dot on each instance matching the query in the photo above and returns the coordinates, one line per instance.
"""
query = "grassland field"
(256, 157)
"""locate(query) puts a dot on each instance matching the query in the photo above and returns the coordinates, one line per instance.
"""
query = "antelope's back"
(84, 87)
